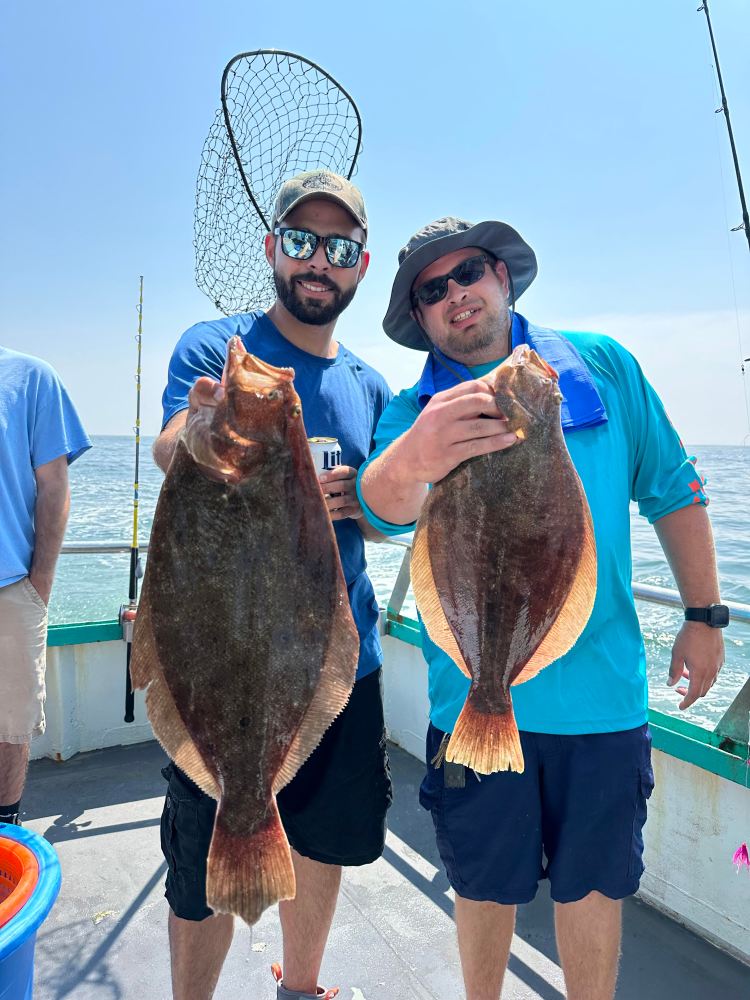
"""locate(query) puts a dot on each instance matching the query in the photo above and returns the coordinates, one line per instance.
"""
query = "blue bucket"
(29, 884)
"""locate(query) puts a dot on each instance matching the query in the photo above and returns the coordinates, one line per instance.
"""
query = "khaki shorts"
(23, 649)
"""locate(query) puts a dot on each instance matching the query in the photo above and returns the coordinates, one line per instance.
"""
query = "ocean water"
(92, 587)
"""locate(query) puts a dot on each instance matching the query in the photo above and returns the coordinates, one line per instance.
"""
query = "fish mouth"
(525, 355)
(249, 373)
(527, 390)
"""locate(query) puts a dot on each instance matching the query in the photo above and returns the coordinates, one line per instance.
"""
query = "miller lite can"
(326, 453)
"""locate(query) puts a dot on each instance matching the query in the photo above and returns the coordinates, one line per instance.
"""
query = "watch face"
(718, 615)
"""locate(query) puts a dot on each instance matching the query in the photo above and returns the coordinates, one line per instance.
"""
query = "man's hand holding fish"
(339, 484)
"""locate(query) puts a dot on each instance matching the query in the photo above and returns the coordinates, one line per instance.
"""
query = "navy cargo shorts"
(575, 816)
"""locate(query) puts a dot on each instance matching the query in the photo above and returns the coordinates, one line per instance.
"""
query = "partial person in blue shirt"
(40, 435)
(575, 815)
(334, 809)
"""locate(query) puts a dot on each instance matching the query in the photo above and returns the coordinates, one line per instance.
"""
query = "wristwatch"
(715, 615)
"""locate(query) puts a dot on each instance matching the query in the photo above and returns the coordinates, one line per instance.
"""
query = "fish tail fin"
(486, 743)
(247, 874)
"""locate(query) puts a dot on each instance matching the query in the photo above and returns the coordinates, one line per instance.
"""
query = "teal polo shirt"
(600, 685)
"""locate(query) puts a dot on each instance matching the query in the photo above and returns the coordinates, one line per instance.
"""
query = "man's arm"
(698, 651)
(164, 446)
(205, 392)
(450, 429)
(50, 518)
(371, 533)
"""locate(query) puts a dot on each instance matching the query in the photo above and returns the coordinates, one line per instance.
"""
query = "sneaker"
(282, 993)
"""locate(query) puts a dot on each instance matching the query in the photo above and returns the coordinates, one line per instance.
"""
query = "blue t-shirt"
(38, 423)
(341, 397)
(600, 685)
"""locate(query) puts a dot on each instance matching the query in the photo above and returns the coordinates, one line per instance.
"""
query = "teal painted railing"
(79, 632)
(676, 737)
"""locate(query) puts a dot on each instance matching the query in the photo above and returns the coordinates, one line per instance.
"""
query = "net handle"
(230, 131)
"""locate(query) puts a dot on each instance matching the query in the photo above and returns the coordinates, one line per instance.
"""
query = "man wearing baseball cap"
(576, 813)
(333, 811)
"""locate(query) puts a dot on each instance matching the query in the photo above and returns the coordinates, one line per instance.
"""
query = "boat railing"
(734, 724)
(641, 591)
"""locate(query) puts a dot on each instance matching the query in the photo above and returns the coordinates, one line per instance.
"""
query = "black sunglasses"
(466, 273)
(301, 244)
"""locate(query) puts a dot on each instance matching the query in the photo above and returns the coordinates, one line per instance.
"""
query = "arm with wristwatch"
(714, 615)
(698, 651)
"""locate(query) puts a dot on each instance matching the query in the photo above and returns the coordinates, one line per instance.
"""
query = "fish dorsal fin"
(428, 600)
(146, 672)
(575, 612)
(331, 694)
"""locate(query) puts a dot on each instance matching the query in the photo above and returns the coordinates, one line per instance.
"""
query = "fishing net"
(280, 115)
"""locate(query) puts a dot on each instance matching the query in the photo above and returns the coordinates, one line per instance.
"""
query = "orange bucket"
(29, 884)
(19, 872)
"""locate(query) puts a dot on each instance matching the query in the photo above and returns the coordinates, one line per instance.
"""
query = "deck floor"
(393, 934)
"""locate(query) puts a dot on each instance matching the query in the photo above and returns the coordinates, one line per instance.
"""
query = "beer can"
(326, 453)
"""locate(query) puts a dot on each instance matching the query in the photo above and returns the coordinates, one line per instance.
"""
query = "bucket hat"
(438, 239)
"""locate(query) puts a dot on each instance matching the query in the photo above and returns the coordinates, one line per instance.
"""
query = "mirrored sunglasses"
(301, 244)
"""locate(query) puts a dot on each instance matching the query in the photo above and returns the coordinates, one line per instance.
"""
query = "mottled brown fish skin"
(258, 646)
(245, 597)
(505, 536)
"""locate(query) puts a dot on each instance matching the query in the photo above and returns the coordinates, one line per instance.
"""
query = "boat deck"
(393, 935)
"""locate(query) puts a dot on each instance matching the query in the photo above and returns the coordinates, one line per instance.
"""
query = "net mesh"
(285, 115)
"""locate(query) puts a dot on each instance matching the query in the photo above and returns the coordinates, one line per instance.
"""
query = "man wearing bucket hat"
(576, 814)
(334, 810)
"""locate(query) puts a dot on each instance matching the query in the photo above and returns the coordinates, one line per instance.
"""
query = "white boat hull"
(696, 818)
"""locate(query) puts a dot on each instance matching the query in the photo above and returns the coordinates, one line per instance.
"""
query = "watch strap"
(696, 614)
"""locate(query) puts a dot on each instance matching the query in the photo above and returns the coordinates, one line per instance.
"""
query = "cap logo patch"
(323, 182)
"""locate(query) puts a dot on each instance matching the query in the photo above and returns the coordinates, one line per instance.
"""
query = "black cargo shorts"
(333, 810)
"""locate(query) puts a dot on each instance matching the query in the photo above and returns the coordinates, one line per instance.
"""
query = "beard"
(308, 310)
(491, 329)
(464, 344)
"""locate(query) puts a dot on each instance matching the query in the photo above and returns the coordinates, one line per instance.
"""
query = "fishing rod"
(128, 612)
(745, 224)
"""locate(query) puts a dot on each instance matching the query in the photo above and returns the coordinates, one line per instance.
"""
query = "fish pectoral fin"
(428, 600)
(247, 874)
(486, 742)
(331, 694)
(166, 721)
(574, 614)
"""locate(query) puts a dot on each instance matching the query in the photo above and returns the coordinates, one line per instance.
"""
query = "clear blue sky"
(589, 126)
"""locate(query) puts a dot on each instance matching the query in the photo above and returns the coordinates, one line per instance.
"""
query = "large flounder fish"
(504, 563)
(244, 636)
